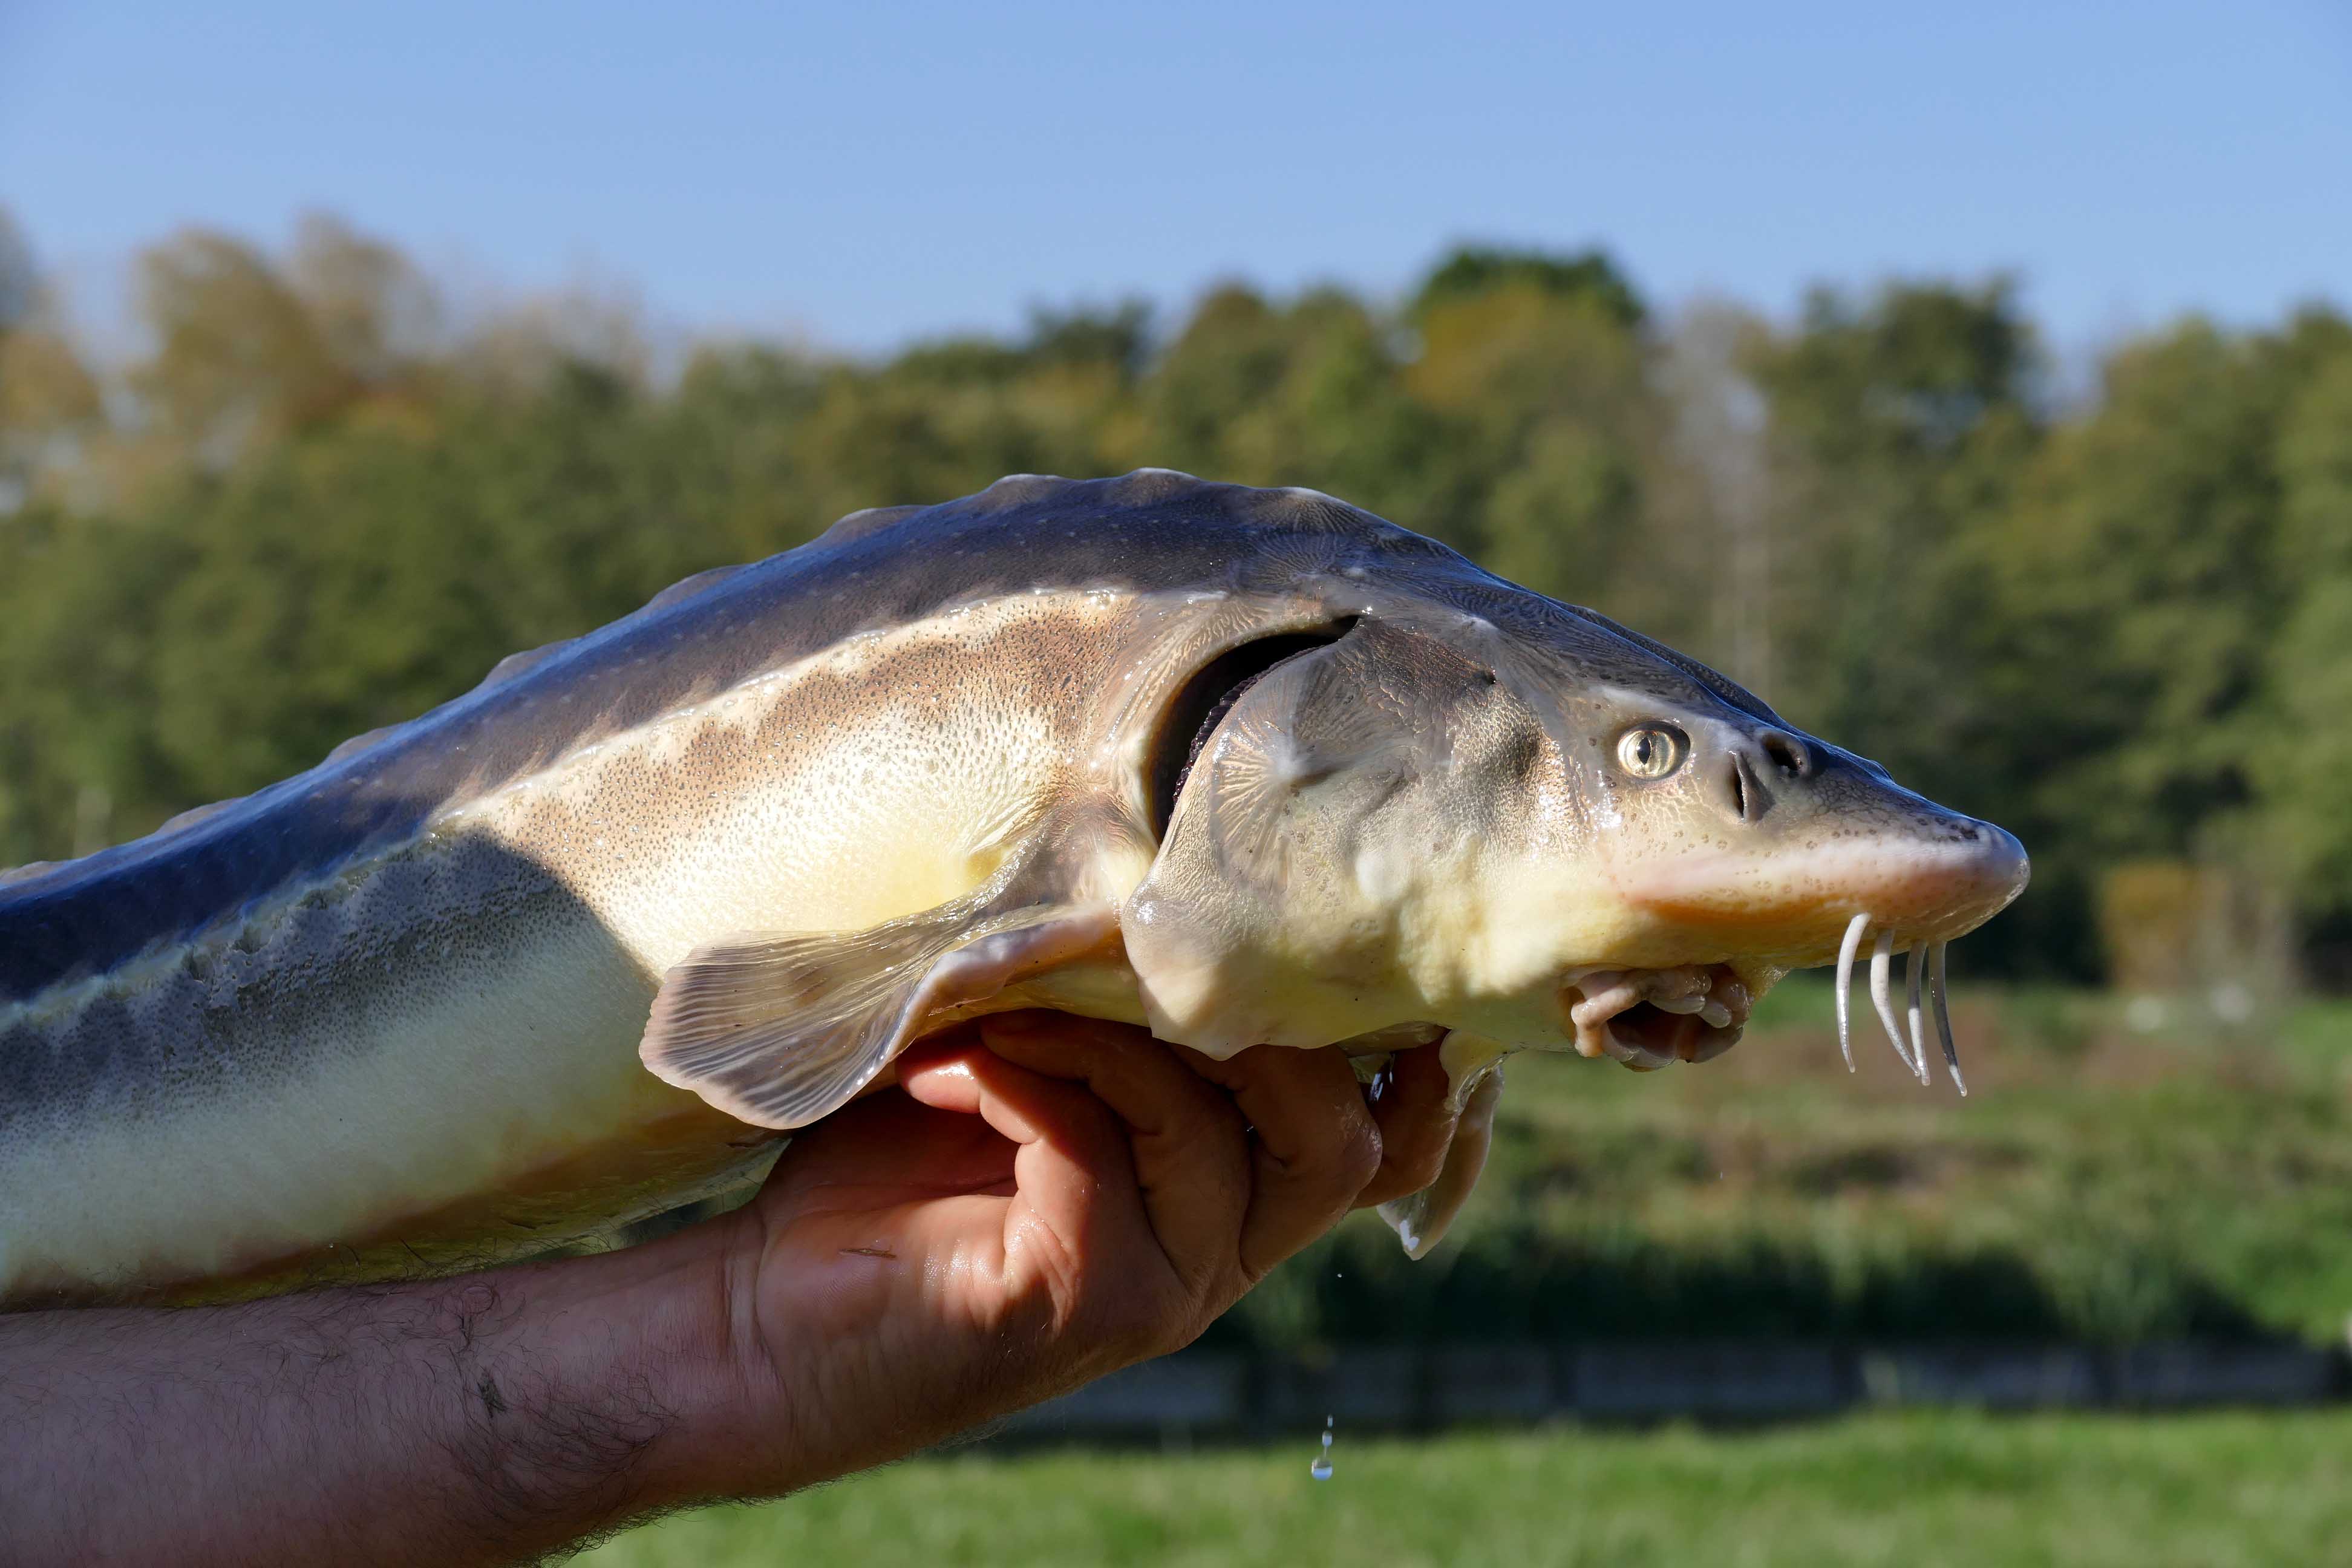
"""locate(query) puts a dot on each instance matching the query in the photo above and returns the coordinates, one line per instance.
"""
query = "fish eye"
(1651, 751)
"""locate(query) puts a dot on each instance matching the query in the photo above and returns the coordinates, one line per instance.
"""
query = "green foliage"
(2301, 784)
(324, 502)
(2232, 1490)
(1898, 429)
(1476, 269)
(2097, 1184)
(19, 279)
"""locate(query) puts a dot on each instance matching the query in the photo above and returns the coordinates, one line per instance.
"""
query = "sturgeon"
(581, 946)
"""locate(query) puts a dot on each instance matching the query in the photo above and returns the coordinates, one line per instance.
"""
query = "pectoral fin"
(783, 1029)
(1421, 1219)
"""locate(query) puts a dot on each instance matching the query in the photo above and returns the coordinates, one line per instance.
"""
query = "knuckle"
(1431, 1143)
(1142, 1326)
(1422, 1167)
(1178, 1332)
(1356, 1159)
(1095, 1127)
(1064, 1294)
(1132, 1056)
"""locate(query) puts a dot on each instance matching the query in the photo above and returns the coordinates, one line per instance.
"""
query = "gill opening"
(1200, 704)
(1923, 972)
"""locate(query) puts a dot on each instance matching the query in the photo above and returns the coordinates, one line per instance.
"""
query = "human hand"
(1045, 1199)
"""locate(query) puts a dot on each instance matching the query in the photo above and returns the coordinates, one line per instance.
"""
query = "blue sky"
(867, 174)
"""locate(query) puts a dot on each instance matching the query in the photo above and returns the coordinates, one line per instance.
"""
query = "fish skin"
(382, 1018)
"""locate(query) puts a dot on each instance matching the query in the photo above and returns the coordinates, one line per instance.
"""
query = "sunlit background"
(1975, 382)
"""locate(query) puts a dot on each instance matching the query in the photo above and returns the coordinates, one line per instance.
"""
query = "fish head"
(1520, 821)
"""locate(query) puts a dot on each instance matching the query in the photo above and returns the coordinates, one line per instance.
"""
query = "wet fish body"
(575, 948)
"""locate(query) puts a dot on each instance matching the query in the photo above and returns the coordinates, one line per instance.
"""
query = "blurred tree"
(2138, 563)
(374, 313)
(78, 701)
(239, 362)
(1711, 489)
(1228, 360)
(51, 412)
(1546, 401)
(1898, 426)
(2141, 588)
(735, 430)
(1472, 271)
(50, 405)
(19, 277)
(2300, 760)
(520, 350)
(1120, 337)
(1307, 393)
(1896, 423)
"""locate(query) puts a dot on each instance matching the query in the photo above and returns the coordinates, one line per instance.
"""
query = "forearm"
(484, 1419)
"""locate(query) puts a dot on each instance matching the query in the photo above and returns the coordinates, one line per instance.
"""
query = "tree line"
(324, 495)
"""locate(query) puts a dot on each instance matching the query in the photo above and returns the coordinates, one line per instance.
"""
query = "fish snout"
(1850, 839)
(1932, 878)
(1921, 883)
(1786, 839)
(1959, 883)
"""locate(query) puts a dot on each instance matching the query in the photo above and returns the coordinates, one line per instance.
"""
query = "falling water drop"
(1321, 1469)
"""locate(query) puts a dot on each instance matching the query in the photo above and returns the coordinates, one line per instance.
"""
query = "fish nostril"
(1748, 797)
(1786, 754)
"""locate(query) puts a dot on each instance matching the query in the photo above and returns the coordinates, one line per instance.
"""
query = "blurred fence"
(1215, 1393)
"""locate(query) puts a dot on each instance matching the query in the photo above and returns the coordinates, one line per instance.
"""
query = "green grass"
(1912, 1489)
(2098, 1183)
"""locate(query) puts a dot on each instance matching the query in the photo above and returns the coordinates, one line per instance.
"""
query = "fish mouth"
(1648, 1018)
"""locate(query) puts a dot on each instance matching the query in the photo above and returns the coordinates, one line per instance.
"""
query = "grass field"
(2209, 1490)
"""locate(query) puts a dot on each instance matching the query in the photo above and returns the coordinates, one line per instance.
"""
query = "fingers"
(1236, 1163)
(887, 1142)
(1416, 1126)
(1317, 1145)
(1072, 1168)
(935, 1069)
(1190, 1150)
